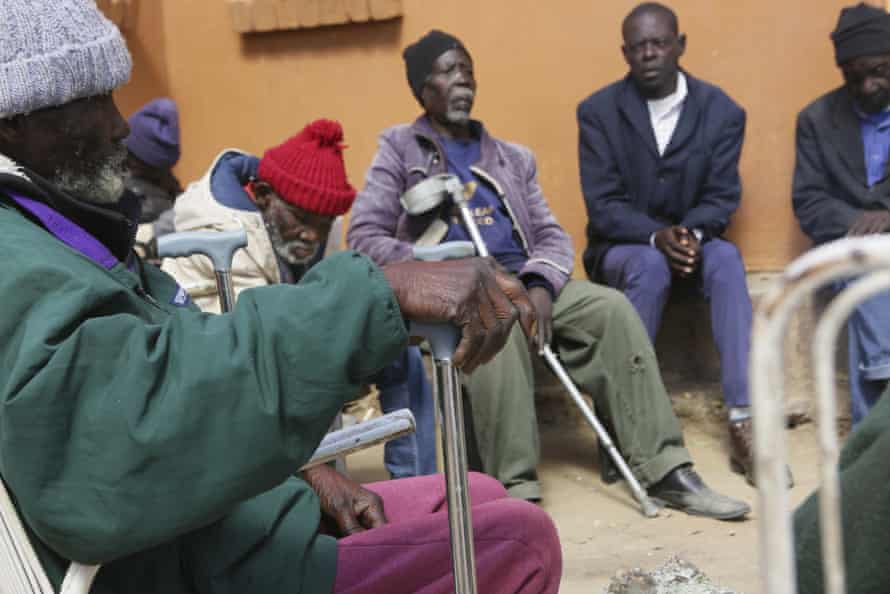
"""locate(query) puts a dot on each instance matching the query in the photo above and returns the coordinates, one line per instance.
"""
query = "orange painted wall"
(534, 62)
(146, 40)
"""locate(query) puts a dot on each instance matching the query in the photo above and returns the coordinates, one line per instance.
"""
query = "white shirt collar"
(664, 114)
(659, 108)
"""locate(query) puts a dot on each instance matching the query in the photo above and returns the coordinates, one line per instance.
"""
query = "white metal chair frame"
(20, 569)
(869, 259)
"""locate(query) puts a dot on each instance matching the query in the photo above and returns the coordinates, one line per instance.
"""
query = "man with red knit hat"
(287, 202)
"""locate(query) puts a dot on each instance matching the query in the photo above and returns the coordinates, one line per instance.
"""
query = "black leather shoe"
(683, 489)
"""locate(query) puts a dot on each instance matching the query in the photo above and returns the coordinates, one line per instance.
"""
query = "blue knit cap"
(52, 53)
(154, 134)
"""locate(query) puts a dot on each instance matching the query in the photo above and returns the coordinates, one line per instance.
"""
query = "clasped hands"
(681, 248)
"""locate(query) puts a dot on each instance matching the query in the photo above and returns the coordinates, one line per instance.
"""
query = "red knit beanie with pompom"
(307, 170)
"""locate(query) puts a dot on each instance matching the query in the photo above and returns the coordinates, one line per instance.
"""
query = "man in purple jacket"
(659, 154)
(594, 329)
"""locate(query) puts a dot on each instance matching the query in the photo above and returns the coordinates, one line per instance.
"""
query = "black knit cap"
(422, 54)
(862, 30)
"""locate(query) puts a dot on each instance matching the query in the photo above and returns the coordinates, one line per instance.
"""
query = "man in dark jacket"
(659, 154)
(842, 180)
(595, 331)
(164, 443)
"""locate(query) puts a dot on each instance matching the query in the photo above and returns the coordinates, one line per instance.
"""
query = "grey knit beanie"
(55, 51)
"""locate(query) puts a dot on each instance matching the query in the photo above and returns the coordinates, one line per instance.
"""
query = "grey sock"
(739, 413)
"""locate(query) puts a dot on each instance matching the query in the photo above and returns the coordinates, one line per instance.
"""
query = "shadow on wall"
(333, 39)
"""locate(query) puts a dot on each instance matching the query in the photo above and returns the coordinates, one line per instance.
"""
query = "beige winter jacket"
(253, 266)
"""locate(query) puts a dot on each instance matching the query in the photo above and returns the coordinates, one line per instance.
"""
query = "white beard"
(103, 186)
(283, 248)
(10, 167)
(284, 251)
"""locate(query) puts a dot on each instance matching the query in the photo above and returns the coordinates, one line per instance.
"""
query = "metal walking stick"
(432, 192)
(443, 339)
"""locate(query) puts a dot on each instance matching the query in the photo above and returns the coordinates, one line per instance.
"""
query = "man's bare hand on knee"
(345, 502)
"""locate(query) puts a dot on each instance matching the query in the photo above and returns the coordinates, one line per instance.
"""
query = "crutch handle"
(450, 250)
(362, 435)
(220, 247)
(442, 338)
(430, 193)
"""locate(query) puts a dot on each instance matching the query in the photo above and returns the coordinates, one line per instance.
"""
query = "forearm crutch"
(430, 194)
(443, 339)
(869, 258)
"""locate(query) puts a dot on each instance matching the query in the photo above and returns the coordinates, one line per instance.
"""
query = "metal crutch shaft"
(443, 340)
(650, 510)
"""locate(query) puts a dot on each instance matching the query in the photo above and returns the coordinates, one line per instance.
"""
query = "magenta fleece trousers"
(517, 548)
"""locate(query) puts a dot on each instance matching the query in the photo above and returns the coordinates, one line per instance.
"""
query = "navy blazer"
(631, 191)
(830, 188)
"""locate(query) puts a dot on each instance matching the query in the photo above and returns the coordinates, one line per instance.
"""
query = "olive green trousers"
(605, 349)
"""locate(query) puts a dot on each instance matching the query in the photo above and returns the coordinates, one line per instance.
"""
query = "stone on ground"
(676, 576)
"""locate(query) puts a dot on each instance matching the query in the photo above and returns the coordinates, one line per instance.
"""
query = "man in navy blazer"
(842, 178)
(659, 154)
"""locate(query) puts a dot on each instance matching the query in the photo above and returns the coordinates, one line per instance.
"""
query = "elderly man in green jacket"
(161, 442)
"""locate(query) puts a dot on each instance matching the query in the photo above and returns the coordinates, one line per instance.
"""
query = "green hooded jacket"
(864, 468)
(160, 441)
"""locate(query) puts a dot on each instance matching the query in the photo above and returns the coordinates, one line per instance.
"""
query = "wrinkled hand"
(681, 248)
(474, 294)
(352, 507)
(543, 303)
(869, 223)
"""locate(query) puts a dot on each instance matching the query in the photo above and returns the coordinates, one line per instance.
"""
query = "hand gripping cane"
(220, 247)
(432, 192)
(443, 339)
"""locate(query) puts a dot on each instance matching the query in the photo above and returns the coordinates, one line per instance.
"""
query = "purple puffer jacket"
(380, 228)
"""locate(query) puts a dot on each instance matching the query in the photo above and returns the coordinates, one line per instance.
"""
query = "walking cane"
(443, 339)
(429, 194)
(220, 247)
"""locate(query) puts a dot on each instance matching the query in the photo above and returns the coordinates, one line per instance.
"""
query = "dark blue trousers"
(404, 385)
(643, 274)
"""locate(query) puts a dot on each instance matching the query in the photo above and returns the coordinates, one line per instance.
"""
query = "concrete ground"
(603, 532)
